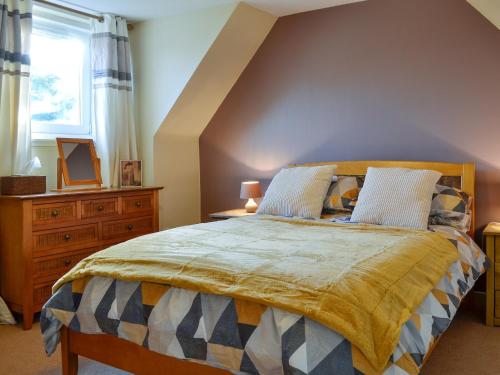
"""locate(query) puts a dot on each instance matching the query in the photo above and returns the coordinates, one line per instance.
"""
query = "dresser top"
(79, 192)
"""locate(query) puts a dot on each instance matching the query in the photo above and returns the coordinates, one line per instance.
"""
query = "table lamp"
(250, 190)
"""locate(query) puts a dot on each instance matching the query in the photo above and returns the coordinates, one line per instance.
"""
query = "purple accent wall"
(381, 79)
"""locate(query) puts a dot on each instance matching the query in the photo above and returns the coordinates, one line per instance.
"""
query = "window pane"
(56, 80)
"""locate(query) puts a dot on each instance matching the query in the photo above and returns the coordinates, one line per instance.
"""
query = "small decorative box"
(22, 185)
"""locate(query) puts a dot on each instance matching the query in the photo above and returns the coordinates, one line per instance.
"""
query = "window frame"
(63, 25)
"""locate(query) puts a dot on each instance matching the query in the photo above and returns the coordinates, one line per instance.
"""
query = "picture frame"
(130, 173)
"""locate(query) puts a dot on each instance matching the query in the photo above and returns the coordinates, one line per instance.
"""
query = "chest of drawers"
(44, 236)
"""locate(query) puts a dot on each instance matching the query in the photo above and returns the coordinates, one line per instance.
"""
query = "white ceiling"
(135, 10)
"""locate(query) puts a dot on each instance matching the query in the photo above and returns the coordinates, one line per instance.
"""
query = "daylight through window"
(60, 76)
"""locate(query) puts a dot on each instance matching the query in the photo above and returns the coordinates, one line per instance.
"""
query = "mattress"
(247, 337)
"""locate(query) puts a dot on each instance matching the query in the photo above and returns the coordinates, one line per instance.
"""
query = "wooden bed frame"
(131, 357)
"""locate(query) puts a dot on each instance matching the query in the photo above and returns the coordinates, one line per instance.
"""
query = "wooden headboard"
(463, 173)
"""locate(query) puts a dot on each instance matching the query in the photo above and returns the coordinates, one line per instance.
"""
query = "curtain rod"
(76, 11)
(68, 9)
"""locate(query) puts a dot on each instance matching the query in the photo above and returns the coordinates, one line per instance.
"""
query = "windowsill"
(43, 143)
(50, 141)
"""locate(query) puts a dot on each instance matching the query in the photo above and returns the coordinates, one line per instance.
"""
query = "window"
(60, 75)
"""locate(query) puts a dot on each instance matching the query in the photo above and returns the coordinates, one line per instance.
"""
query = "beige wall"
(165, 53)
(176, 103)
(488, 8)
(47, 152)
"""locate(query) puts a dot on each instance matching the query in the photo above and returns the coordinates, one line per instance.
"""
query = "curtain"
(15, 121)
(113, 106)
(15, 127)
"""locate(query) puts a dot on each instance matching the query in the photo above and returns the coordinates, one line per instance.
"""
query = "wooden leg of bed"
(69, 359)
(27, 318)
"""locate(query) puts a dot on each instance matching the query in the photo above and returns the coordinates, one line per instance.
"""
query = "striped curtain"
(15, 121)
(113, 112)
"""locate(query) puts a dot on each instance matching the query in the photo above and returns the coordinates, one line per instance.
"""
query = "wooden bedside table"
(491, 239)
(229, 214)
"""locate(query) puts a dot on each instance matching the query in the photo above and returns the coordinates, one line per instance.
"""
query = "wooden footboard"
(124, 355)
(131, 357)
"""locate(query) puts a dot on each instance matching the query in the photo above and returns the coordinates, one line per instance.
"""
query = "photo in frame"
(130, 173)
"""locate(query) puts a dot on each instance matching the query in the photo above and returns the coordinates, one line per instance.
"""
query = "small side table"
(229, 214)
(491, 241)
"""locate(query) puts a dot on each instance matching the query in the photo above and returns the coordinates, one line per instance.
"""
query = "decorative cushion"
(298, 191)
(450, 206)
(450, 199)
(343, 193)
(398, 197)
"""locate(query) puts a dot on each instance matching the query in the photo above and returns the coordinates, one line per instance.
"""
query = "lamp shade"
(250, 189)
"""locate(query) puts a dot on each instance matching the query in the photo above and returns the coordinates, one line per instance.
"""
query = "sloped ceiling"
(136, 11)
(143, 10)
(488, 8)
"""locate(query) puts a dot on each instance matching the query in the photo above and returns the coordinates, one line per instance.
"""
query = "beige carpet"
(22, 353)
(467, 348)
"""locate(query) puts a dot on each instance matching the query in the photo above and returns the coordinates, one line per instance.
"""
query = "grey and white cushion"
(397, 197)
(451, 206)
(298, 191)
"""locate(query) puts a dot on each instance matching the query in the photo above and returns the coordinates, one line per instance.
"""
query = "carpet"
(467, 348)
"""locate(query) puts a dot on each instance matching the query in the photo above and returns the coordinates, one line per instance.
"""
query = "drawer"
(497, 304)
(42, 293)
(99, 208)
(127, 228)
(137, 204)
(52, 268)
(52, 213)
(497, 277)
(64, 237)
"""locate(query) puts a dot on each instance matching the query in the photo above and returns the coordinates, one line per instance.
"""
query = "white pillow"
(397, 197)
(298, 191)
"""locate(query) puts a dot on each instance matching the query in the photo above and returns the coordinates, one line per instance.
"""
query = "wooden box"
(22, 185)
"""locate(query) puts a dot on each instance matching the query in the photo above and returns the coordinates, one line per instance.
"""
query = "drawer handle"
(55, 213)
(67, 262)
(130, 227)
(138, 204)
(67, 237)
(100, 208)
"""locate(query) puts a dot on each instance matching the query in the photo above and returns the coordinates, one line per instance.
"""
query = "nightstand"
(229, 214)
(491, 239)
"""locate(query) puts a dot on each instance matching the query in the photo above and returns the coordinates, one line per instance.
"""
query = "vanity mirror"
(78, 163)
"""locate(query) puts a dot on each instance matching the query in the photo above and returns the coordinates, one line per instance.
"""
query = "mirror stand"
(78, 165)
(60, 188)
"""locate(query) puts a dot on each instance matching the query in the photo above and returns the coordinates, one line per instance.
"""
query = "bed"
(146, 325)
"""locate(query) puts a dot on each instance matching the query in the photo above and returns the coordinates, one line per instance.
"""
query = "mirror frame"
(62, 167)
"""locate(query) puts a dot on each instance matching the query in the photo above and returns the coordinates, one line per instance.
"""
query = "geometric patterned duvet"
(246, 337)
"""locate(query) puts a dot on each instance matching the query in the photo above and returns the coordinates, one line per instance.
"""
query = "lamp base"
(251, 206)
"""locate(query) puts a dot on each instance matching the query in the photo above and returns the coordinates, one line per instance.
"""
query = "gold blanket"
(362, 281)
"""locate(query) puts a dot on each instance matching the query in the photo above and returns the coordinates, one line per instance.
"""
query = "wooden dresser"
(44, 236)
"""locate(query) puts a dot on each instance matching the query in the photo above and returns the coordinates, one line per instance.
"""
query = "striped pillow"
(397, 197)
(298, 192)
